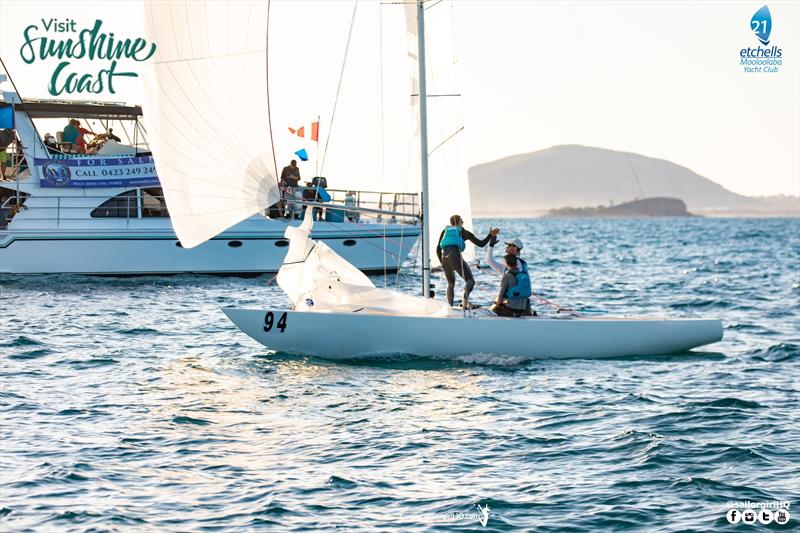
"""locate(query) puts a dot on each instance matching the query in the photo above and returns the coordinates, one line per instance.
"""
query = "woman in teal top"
(452, 242)
(71, 133)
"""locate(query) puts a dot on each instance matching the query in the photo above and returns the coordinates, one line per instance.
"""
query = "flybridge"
(83, 109)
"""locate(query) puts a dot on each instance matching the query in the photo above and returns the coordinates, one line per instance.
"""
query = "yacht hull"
(140, 253)
(351, 335)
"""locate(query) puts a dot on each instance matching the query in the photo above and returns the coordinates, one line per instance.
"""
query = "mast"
(423, 150)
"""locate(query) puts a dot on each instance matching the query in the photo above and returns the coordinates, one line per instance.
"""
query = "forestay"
(205, 108)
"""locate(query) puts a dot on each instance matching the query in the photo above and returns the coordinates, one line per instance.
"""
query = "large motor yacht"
(99, 208)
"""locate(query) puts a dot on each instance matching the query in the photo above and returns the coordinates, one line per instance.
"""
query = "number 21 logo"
(761, 24)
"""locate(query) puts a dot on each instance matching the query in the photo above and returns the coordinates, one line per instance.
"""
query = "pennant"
(302, 154)
(301, 131)
(323, 194)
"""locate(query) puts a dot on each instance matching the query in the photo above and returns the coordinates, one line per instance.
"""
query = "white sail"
(205, 108)
(317, 279)
(448, 184)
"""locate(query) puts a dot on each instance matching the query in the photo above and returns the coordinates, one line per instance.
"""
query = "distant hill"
(582, 176)
(647, 207)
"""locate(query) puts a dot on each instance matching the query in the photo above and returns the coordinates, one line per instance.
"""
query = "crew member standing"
(452, 242)
(290, 179)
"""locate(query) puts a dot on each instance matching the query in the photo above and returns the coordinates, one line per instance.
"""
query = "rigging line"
(367, 240)
(459, 130)
(385, 281)
(339, 87)
(636, 176)
(380, 62)
(600, 87)
(253, 100)
(203, 58)
(399, 259)
(22, 105)
(269, 113)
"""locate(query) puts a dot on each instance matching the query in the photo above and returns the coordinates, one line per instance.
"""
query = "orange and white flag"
(301, 131)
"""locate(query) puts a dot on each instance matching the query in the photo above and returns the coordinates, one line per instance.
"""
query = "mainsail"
(206, 111)
(448, 184)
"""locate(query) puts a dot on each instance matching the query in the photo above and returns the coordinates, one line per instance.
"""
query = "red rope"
(548, 302)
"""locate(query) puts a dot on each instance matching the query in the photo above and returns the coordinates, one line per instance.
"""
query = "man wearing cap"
(513, 247)
(515, 290)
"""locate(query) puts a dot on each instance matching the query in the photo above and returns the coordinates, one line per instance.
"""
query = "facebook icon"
(733, 516)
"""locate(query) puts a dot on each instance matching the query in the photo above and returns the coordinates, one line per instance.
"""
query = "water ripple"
(142, 409)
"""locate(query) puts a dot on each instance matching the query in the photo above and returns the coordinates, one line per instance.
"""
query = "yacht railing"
(344, 206)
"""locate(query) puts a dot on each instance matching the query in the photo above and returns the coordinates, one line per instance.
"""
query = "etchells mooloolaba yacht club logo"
(763, 58)
(63, 43)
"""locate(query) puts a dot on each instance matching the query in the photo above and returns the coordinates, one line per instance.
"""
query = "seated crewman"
(515, 289)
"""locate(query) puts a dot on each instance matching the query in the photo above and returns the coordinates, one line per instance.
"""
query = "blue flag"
(6, 116)
(302, 154)
(323, 194)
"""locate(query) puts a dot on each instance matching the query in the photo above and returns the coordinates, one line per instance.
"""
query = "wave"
(22, 341)
(778, 353)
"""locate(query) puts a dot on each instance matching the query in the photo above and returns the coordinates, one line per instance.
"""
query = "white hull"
(157, 253)
(351, 335)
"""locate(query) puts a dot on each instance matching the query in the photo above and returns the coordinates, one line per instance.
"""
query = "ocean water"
(132, 404)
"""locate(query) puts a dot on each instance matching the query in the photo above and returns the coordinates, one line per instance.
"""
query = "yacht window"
(153, 203)
(121, 206)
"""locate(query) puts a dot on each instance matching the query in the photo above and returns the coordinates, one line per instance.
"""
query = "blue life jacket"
(523, 287)
(524, 264)
(452, 237)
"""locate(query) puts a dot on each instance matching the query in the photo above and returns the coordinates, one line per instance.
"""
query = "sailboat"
(337, 312)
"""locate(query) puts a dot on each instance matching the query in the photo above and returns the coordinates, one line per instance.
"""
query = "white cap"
(515, 242)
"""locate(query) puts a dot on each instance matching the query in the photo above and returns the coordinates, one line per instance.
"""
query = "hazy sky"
(662, 79)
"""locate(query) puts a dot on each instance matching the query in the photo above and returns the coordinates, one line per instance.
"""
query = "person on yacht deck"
(290, 180)
(81, 139)
(71, 133)
(452, 242)
(74, 133)
(514, 247)
(515, 291)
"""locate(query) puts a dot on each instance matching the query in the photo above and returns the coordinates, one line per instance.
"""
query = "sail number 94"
(269, 321)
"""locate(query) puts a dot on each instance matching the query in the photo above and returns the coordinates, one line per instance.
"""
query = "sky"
(661, 79)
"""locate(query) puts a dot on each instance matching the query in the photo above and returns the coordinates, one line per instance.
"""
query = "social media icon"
(748, 516)
(733, 516)
(781, 516)
(765, 516)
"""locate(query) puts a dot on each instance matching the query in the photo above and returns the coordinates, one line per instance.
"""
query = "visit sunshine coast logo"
(763, 58)
(64, 43)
